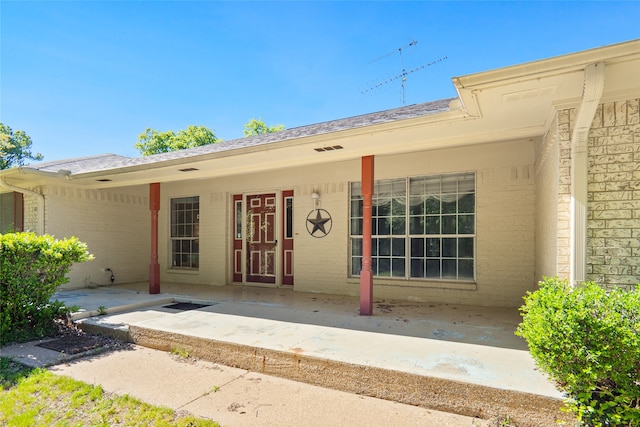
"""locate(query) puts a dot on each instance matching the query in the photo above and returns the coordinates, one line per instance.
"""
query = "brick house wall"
(613, 210)
(613, 234)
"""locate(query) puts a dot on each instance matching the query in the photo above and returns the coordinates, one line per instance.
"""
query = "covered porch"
(456, 358)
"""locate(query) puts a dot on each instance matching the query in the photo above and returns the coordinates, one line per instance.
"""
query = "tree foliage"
(155, 142)
(15, 148)
(259, 127)
(588, 340)
(31, 270)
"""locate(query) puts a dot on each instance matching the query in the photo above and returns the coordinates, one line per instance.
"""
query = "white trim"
(594, 79)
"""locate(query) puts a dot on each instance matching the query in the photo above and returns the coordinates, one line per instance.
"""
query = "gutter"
(594, 80)
(39, 197)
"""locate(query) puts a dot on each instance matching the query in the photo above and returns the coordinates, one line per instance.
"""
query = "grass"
(39, 398)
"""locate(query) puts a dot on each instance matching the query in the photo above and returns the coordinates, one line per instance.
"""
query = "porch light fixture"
(315, 197)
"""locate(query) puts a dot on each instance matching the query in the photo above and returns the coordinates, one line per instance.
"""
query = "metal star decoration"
(319, 223)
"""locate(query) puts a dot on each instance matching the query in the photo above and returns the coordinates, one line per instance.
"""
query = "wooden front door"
(261, 238)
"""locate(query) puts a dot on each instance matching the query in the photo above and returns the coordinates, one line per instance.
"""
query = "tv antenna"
(403, 75)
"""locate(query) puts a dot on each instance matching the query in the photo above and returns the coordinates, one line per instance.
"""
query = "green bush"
(31, 269)
(587, 339)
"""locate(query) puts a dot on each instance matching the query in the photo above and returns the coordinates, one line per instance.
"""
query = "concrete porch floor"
(455, 358)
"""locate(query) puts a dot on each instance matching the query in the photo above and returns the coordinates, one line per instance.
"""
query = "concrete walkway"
(458, 359)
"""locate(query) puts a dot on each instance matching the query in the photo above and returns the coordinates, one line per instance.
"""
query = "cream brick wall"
(505, 223)
(613, 211)
(30, 212)
(613, 234)
(115, 224)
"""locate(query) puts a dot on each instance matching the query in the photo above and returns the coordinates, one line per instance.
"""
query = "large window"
(185, 228)
(423, 228)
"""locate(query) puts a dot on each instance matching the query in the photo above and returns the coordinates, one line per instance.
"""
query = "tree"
(258, 127)
(15, 148)
(152, 141)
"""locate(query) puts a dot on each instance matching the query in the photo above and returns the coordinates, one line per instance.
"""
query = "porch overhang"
(517, 102)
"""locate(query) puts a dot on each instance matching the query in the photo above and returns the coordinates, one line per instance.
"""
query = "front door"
(261, 238)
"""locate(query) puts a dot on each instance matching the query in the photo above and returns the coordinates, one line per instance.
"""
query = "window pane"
(449, 270)
(384, 247)
(356, 190)
(417, 248)
(465, 247)
(416, 186)
(288, 218)
(467, 203)
(398, 225)
(467, 183)
(383, 188)
(416, 225)
(433, 205)
(417, 267)
(433, 268)
(432, 185)
(238, 220)
(449, 207)
(449, 248)
(449, 224)
(384, 267)
(449, 184)
(384, 226)
(356, 208)
(356, 247)
(356, 227)
(398, 267)
(417, 206)
(465, 224)
(397, 247)
(465, 269)
(383, 208)
(398, 207)
(356, 266)
(433, 247)
(433, 225)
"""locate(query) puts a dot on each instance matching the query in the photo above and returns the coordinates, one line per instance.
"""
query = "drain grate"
(184, 306)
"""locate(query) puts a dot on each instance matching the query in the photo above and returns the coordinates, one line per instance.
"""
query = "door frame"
(279, 229)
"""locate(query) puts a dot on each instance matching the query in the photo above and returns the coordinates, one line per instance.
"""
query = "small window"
(238, 219)
(288, 205)
(185, 230)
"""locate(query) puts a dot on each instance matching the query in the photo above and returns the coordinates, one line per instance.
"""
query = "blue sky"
(86, 78)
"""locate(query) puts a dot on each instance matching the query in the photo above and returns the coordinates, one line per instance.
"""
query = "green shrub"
(31, 269)
(587, 339)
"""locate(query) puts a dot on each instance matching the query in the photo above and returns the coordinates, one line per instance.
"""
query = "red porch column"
(366, 275)
(154, 267)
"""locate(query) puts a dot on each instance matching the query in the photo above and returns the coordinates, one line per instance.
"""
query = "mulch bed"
(74, 344)
(71, 340)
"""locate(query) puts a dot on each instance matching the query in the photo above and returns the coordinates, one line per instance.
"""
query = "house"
(531, 171)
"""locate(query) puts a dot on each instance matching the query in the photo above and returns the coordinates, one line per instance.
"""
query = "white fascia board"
(549, 67)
